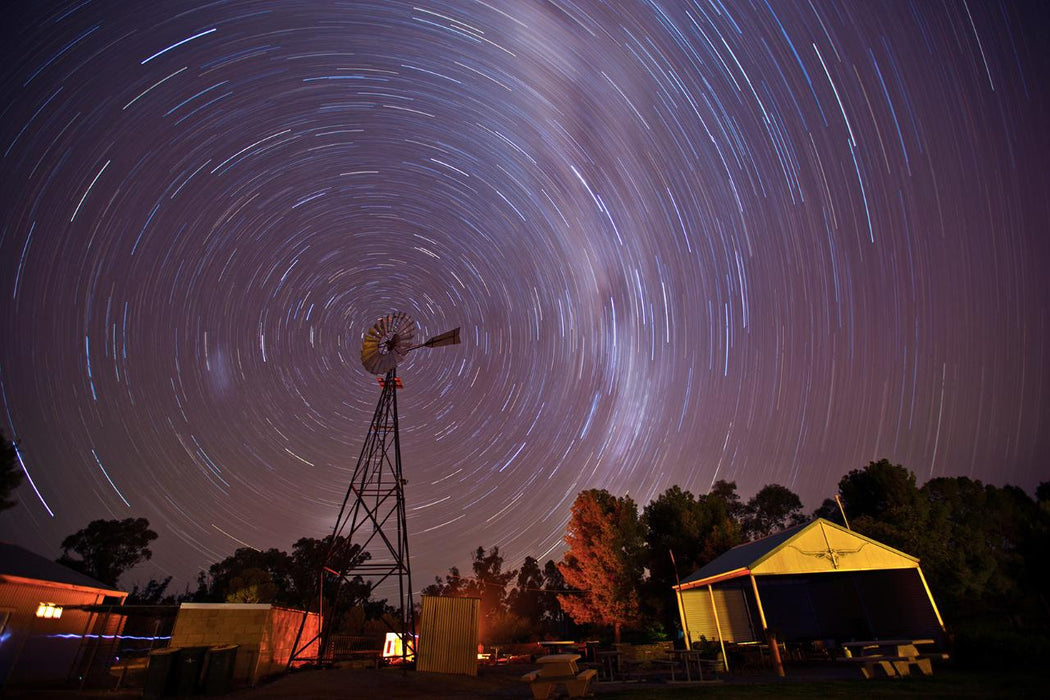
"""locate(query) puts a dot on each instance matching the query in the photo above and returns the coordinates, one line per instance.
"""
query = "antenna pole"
(843, 511)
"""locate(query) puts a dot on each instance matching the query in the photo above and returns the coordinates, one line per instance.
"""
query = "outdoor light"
(49, 610)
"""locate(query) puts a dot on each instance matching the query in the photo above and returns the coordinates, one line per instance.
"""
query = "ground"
(826, 681)
(504, 682)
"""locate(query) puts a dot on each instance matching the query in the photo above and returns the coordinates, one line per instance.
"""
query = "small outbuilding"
(264, 635)
(817, 581)
(49, 630)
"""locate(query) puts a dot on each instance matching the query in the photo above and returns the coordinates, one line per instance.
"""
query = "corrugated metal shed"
(448, 635)
(38, 651)
(819, 546)
(814, 581)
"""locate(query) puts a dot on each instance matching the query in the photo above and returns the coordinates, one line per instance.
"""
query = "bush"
(988, 644)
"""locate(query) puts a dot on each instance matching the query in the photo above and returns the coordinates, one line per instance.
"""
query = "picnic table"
(895, 657)
(559, 669)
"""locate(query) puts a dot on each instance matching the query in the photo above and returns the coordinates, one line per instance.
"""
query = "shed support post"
(718, 626)
(771, 638)
(930, 596)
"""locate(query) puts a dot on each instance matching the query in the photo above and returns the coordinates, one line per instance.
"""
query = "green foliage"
(694, 530)
(10, 474)
(982, 547)
(108, 548)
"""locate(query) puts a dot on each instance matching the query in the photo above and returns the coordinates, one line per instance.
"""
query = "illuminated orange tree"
(604, 561)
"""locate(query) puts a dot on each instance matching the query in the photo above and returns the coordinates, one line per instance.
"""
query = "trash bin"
(160, 673)
(188, 670)
(218, 671)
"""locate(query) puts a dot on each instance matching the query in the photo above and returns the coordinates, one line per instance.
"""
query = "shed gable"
(825, 547)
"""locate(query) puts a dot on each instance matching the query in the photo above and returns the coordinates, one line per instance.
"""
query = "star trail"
(686, 240)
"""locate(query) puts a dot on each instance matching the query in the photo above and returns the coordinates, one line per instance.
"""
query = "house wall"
(31, 650)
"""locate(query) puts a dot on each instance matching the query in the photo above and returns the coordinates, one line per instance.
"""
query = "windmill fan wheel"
(387, 342)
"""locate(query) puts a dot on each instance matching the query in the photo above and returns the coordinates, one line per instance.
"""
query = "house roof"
(19, 563)
(815, 547)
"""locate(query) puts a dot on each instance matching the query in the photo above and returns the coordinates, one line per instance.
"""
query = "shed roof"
(815, 547)
(19, 563)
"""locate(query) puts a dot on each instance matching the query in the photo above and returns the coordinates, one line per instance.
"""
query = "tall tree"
(262, 576)
(604, 561)
(883, 502)
(490, 583)
(309, 555)
(108, 548)
(10, 474)
(154, 593)
(526, 600)
(772, 509)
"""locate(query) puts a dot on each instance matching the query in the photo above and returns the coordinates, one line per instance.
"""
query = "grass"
(945, 683)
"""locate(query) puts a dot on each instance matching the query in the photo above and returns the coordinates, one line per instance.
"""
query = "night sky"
(685, 241)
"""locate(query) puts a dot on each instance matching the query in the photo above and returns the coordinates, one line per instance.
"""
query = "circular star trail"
(685, 241)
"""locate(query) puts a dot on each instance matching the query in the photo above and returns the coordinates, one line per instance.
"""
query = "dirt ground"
(392, 683)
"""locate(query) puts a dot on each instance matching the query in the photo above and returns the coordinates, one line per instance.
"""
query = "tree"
(10, 474)
(152, 594)
(454, 585)
(490, 581)
(108, 548)
(772, 509)
(526, 598)
(309, 555)
(724, 510)
(604, 561)
(241, 576)
(883, 502)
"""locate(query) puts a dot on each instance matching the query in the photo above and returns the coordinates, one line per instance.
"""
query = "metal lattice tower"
(369, 543)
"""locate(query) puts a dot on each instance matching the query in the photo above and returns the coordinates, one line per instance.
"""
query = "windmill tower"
(369, 543)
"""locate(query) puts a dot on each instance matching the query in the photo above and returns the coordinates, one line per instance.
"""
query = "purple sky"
(685, 241)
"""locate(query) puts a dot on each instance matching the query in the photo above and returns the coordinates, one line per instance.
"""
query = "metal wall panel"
(448, 635)
(733, 617)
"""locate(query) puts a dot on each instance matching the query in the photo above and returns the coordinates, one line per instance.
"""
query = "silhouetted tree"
(152, 594)
(108, 548)
(772, 509)
(10, 474)
(604, 561)
(883, 502)
(240, 577)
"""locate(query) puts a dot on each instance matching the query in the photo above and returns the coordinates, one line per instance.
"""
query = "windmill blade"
(449, 338)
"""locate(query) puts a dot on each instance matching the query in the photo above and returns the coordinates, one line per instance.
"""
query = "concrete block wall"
(264, 634)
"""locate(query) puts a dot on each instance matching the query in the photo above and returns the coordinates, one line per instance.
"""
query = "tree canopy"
(108, 548)
(604, 561)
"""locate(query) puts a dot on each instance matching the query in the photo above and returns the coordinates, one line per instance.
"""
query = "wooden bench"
(558, 670)
(577, 685)
(895, 659)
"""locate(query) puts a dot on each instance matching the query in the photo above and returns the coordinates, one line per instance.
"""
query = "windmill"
(370, 537)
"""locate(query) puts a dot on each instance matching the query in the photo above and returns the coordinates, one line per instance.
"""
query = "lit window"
(49, 610)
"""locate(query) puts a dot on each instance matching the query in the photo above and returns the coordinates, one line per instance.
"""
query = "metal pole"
(718, 626)
(843, 511)
(681, 603)
(771, 638)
